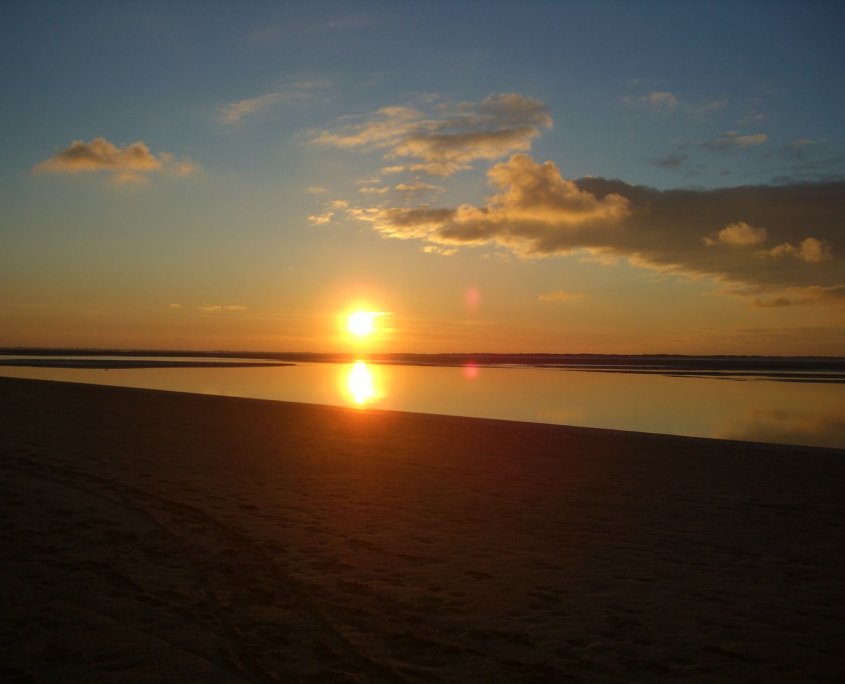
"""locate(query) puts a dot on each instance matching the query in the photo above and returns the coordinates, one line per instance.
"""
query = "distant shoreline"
(101, 364)
(785, 368)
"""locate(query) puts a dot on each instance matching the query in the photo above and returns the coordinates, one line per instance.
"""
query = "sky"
(569, 177)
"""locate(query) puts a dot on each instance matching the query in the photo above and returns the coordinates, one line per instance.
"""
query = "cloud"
(799, 148)
(777, 302)
(671, 160)
(665, 101)
(217, 308)
(233, 112)
(533, 196)
(734, 141)
(560, 296)
(805, 159)
(709, 107)
(417, 188)
(174, 305)
(536, 212)
(737, 234)
(811, 250)
(128, 164)
(450, 138)
(321, 219)
(660, 100)
(752, 118)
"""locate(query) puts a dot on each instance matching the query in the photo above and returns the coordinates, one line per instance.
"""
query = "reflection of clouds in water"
(787, 427)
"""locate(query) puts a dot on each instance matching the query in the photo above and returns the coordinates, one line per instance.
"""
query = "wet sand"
(160, 537)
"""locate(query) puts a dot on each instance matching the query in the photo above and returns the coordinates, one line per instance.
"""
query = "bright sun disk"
(361, 323)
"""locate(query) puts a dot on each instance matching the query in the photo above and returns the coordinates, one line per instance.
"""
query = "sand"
(161, 537)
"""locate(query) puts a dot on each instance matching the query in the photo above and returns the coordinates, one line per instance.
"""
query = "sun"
(361, 323)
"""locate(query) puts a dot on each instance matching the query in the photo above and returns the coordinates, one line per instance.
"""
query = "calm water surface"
(757, 410)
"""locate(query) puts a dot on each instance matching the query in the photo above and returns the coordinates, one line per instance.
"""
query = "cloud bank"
(130, 164)
(754, 240)
(776, 245)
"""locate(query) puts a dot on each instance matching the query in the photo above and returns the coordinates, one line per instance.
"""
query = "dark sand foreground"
(159, 537)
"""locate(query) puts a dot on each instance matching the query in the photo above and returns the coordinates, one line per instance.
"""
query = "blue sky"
(285, 146)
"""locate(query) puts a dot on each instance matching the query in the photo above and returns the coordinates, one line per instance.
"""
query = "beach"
(153, 536)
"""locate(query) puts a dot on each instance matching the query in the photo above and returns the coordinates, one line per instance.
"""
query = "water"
(757, 410)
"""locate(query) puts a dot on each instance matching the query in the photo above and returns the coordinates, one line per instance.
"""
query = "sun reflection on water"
(361, 385)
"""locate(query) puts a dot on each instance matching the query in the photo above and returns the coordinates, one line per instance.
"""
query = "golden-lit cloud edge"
(775, 245)
(449, 137)
(132, 163)
(757, 241)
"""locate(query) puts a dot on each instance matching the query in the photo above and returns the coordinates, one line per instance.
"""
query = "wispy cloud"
(732, 140)
(234, 112)
(560, 296)
(673, 160)
(659, 99)
(321, 219)
(775, 303)
(449, 139)
(129, 164)
(416, 189)
(218, 308)
(666, 101)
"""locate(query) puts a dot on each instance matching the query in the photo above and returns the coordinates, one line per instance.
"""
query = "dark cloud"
(777, 302)
(769, 239)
